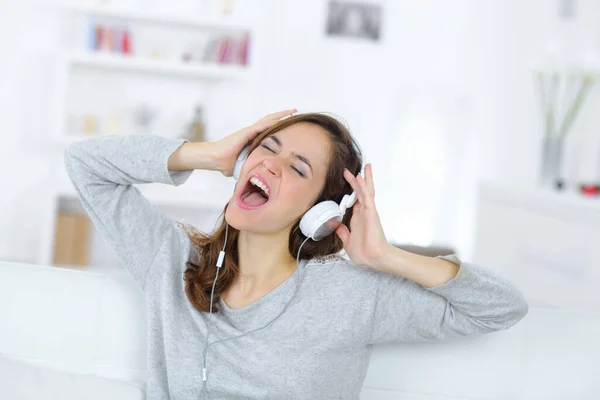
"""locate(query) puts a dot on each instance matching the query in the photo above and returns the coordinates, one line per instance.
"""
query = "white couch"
(71, 334)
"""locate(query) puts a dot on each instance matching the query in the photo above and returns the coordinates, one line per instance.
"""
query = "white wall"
(444, 100)
(24, 170)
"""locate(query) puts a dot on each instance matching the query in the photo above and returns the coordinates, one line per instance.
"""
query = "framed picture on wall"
(354, 19)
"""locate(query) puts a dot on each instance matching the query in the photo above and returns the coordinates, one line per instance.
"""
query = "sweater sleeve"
(103, 171)
(476, 301)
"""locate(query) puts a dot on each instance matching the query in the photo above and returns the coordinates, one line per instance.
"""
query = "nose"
(273, 165)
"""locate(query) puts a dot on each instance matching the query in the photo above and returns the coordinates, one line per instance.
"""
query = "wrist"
(193, 155)
(384, 260)
(426, 271)
(206, 157)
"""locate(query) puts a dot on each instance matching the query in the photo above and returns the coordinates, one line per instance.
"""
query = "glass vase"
(551, 161)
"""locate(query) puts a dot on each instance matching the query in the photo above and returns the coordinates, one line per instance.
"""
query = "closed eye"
(294, 168)
(298, 171)
(268, 148)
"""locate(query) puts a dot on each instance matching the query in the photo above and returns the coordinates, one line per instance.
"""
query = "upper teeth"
(257, 182)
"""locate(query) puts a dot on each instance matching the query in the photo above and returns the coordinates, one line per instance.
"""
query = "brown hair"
(199, 277)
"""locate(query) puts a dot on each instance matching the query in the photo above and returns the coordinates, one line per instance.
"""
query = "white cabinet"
(547, 243)
(106, 87)
(174, 63)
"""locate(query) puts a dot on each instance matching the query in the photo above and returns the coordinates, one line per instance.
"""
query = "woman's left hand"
(365, 242)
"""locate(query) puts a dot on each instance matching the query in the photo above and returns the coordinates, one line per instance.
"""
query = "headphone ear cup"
(321, 220)
(239, 163)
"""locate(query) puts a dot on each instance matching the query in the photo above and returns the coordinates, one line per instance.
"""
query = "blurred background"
(480, 117)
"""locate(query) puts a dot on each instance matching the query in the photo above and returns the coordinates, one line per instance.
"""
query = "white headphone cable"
(219, 263)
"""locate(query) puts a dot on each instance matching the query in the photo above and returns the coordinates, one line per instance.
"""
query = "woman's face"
(280, 180)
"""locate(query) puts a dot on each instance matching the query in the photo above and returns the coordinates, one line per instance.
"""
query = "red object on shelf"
(242, 56)
(592, 190)
(126, 44)
(224, 52)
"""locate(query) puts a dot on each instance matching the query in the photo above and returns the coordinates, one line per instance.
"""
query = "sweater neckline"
(289, 284)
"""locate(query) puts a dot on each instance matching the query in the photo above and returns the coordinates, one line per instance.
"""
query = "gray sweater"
(320, 346)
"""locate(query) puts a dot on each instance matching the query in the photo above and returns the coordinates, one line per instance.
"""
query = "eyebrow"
(298, 156)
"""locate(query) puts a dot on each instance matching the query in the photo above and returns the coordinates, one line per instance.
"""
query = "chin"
(243, 220)
(255, 222)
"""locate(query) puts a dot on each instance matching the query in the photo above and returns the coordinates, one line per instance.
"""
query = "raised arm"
(473, 301)
(419, 297)
(103, 171)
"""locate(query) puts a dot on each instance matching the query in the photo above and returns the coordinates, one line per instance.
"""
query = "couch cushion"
(25, 380)
(81, 320)
(484, 367)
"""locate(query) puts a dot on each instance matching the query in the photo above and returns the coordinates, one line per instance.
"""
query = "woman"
(278, 329)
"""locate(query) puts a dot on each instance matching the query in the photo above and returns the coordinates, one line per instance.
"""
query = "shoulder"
(345, 286)
(340, 266)
(185, 234)
(330, 259)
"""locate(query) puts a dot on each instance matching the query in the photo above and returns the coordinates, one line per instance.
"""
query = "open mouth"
(255, 194)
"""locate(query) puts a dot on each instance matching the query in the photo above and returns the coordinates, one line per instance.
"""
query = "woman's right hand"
(227, 150)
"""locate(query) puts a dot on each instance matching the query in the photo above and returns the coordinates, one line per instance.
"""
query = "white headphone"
(322, 219)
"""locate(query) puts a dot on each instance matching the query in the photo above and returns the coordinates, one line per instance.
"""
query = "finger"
(280, 114)
(265, 124)
(351, 179)
(369, 179)
(343, 233)
(271, 119)
(365, 197)
(361, 193)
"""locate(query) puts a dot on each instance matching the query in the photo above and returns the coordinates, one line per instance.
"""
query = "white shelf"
(185, 199)
(152, 17)
(163, 195)
(156, 66)
(76, 137)
(68, 139)
(566, 203)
